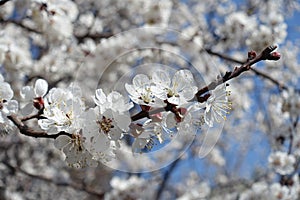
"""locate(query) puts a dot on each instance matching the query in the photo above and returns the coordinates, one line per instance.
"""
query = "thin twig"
(20, 24)
(266, 54)
(38, 115)
(256, 71)
(166, 178)
(80, 38)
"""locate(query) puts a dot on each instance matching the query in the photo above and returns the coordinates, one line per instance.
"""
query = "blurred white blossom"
(282, 163)
(7, 105)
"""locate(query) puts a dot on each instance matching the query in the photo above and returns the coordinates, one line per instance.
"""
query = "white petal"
(27, 109)
(62, 141)
(98, 143)
(189, 92)
(170, 120)
(139, 144)
(208, 118)
(123, 121)
(6, 91)
(130, 89)
(41, 87)
(161, 78)
(72, 155)
(12, 106)
(114, 97)
(174, 100)
(140, 80)
(2, 118)
(183, 79)
(196, 107)
(115, 134)
(27, 93)
(100, 97)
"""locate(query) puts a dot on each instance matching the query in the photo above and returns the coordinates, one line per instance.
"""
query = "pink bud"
(274, 56)
(38, 103)
(251, 55)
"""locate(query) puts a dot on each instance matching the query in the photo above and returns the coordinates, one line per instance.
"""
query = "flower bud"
(274, 56)
(38, 103)
(251, 55)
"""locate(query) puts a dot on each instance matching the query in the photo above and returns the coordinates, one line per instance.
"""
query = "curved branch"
(25, 130)
(266, 54)
(281, 86)
(166, 178)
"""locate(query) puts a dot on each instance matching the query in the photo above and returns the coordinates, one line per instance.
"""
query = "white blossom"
(143, 91)
(55, 18)
(7, 105)
(217, 105)
(282, 192)
(76, 155)
(62, 111)
(35, 95)
(135, 185)
(282, 163)
(144, 135)
(291, 103)
(157, 13)
(106, 123)
(177, 91)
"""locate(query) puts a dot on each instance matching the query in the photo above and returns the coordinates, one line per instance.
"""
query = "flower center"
(147, 96)
(106, 124)
(76, 141)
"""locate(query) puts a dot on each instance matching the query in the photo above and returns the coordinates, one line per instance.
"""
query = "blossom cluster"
(90, 135)
(49, 39)
(7, 105)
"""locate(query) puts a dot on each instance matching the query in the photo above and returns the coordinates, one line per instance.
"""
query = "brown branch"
(266, 54)
(25, 130)
(33, 116)
(281, 86)
(166, 177)
(80, 38)
(96, 36)
(20, 24)
(3, 2)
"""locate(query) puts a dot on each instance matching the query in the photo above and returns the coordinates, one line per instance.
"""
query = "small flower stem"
(33, 116)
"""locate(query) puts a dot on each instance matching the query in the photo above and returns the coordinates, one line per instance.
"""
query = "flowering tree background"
(136, 99)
